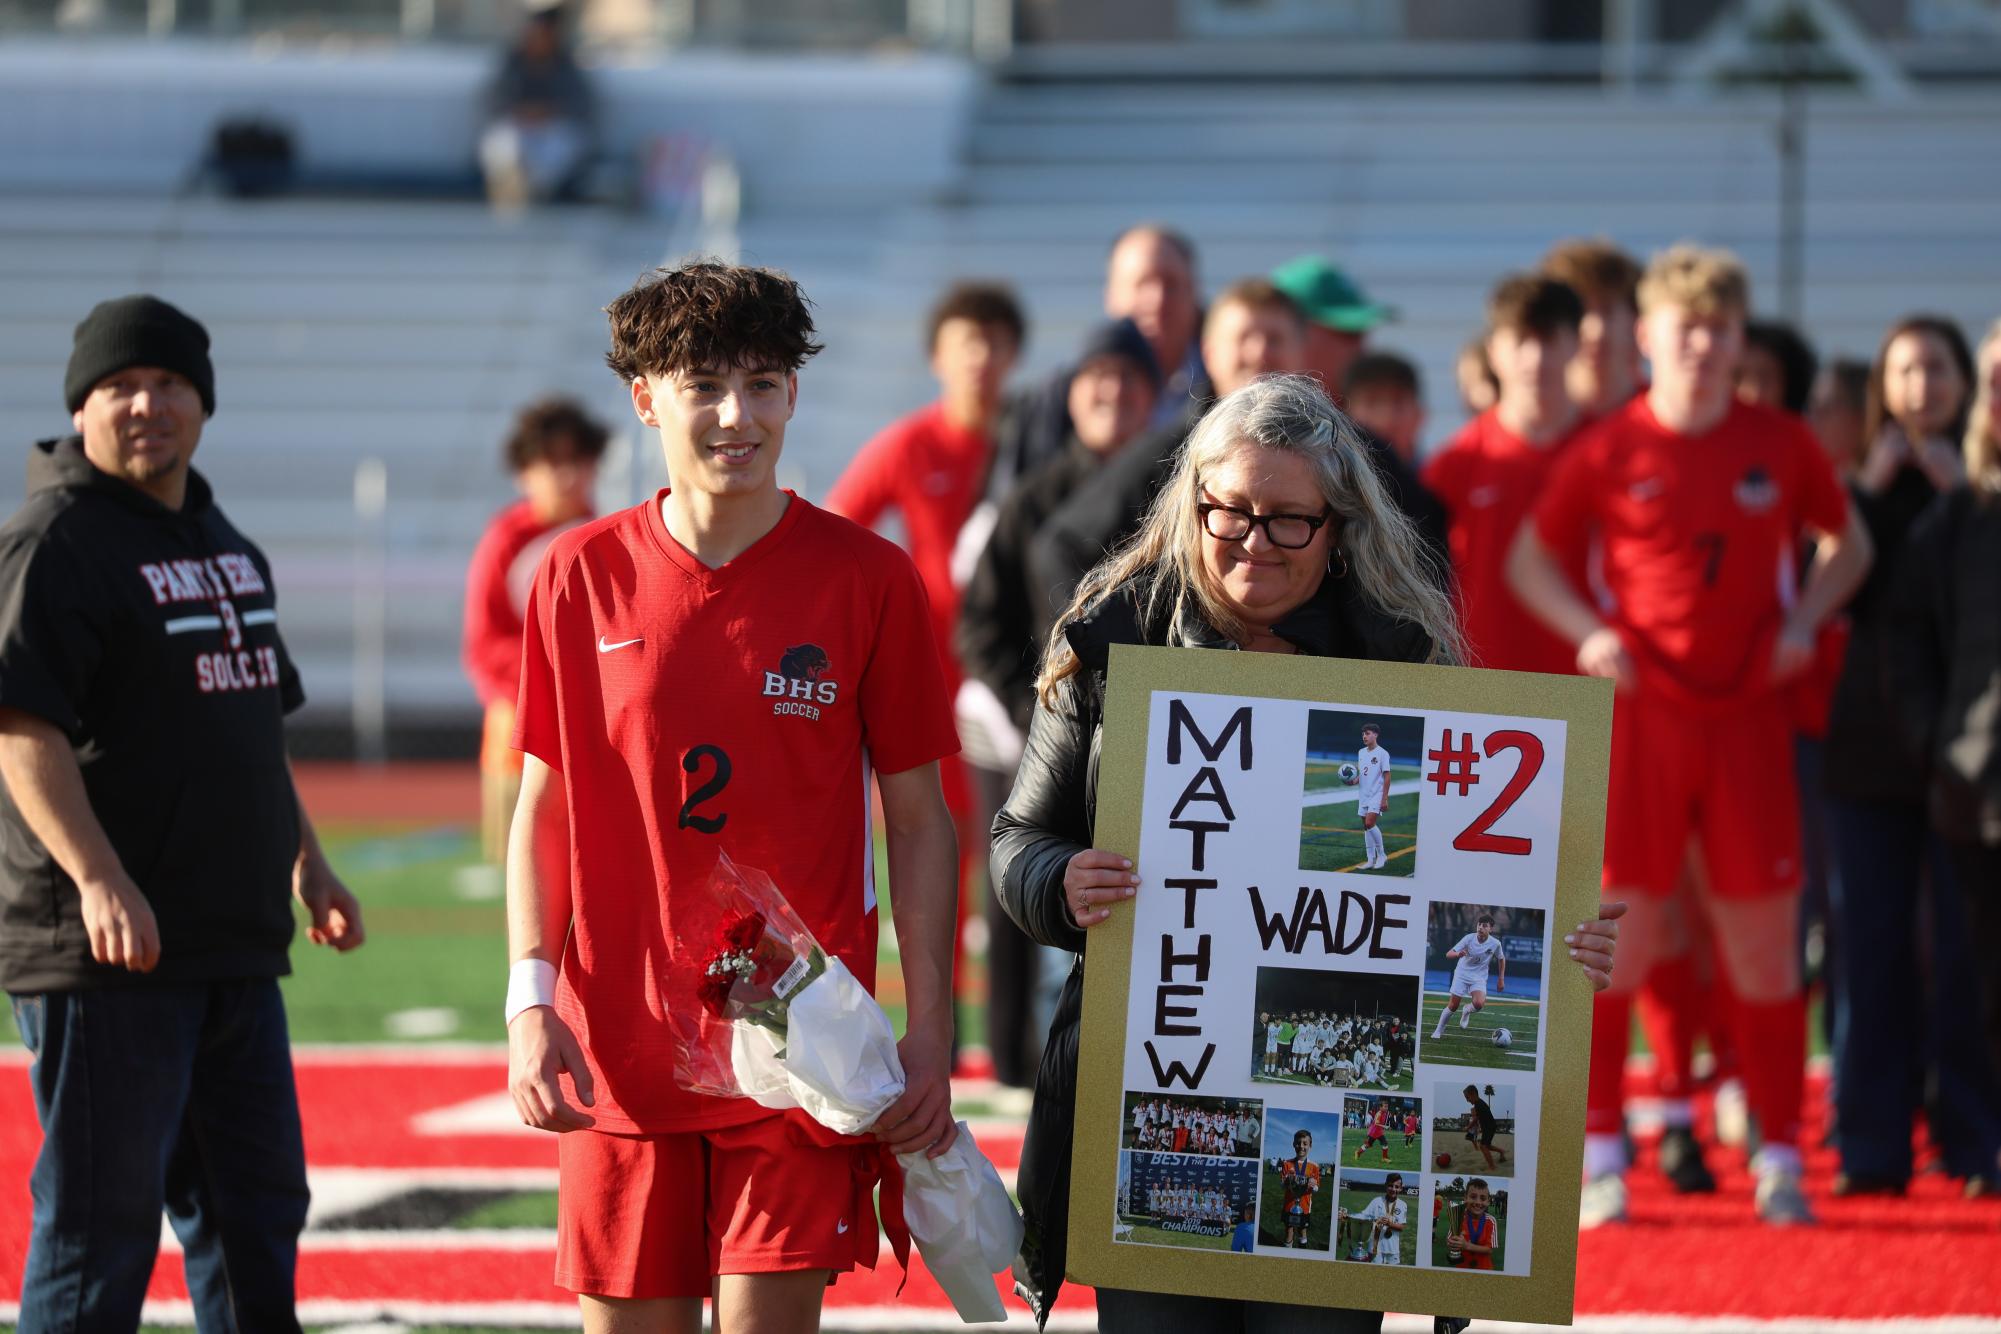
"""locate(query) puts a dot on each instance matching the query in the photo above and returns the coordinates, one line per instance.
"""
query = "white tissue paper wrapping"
(839, 1064)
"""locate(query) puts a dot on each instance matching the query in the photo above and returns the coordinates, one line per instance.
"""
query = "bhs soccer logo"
(1756, 491)
(801, 681)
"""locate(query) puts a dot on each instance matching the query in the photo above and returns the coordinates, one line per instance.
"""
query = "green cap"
(1327, 296)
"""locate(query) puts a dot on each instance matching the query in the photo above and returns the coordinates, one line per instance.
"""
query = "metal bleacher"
(410, 332)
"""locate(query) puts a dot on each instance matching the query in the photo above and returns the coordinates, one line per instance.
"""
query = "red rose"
(742, 931)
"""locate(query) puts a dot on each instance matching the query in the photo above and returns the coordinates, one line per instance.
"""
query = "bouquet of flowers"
(786, 1024)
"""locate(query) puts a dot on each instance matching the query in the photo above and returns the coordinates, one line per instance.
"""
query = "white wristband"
(530, 982)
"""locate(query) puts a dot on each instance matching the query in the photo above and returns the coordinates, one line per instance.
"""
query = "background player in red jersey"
(1605, 372)
(553, 452)
(1489, 475)
(717, 668)
(930, 467)
(1696, 500)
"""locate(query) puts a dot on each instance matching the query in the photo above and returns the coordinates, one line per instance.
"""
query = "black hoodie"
(149, 636)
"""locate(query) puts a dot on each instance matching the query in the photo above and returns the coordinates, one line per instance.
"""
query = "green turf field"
(1474, 1044)
(1439, 1229)
(1403, 1158)
(1330, 837)
(1354, 1201)
(434, 966)
(1147, 1233)
(1271, 1211)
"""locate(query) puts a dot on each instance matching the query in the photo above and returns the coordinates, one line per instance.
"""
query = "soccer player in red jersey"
(930, 467)
(1477, 1234)
(1605, 373)
(553, 452)
(1489, 476)
(720, 668)
(1697, 500)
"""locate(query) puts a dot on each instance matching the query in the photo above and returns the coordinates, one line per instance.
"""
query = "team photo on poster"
(1334, 1029)
(1175, 1199)
(1358, 810)
(1482, 986)
(1216, 1127)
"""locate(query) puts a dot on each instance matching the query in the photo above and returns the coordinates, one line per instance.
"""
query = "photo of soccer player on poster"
(1360, 801)
(1468, 1218)
(1482, 986)
(1383, 1133)
(1375, 1214)
(1473, 1128)
(1297, 1197)
(1334, 1030)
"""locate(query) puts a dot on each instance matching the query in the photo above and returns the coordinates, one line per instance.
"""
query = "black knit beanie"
(138, 331)
(1121, 338)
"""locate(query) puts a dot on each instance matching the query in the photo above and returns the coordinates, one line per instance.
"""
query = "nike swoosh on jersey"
(606, 646)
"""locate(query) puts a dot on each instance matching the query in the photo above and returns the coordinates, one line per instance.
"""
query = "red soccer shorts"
(1727, 781)
(652, 1216)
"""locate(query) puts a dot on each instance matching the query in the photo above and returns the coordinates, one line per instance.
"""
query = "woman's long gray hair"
(1384, 554)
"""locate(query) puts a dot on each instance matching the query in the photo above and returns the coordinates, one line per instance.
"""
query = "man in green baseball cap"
(1339, 315)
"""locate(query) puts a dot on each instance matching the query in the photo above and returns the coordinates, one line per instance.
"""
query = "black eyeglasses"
(1291, 531)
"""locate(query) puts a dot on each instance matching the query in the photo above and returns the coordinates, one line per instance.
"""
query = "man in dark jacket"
(152, 841)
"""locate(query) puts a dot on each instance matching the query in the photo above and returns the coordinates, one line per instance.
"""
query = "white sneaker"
(1780, 1201)
(1602, 1201)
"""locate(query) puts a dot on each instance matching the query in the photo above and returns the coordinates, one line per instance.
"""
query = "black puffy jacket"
(1944, 663)
(1048, 819)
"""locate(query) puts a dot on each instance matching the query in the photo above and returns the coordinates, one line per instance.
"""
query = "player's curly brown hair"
(706, 314)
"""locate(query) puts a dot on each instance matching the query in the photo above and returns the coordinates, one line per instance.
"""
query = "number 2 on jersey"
(718, 780)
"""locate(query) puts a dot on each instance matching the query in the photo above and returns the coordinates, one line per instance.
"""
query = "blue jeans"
(1897, 1023)
(174, 1097)
(1123, 1312)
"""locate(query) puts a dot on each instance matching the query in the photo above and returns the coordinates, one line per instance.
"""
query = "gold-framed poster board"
(1329, 1058)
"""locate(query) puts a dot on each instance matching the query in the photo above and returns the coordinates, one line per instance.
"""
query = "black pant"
(1977, 868)
(1013, 1037)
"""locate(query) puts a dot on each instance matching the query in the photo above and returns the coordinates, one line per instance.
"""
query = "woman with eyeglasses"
(1273, 534)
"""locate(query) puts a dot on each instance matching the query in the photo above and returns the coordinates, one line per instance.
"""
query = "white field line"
(868, 1319)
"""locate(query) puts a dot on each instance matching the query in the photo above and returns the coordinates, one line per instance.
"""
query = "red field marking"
(407, 792)
(1931, 1254)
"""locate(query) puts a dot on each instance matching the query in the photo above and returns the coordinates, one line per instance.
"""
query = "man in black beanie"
(153, 842)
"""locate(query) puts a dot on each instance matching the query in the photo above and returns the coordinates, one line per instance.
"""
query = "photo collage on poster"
(1340, 1057)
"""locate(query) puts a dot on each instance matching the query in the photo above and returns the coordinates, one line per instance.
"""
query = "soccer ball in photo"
(1503, 1038)
(1349, 773)
(1444, 1161)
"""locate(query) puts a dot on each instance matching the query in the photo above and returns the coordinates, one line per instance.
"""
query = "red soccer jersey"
(1488, 479)
(1410, 1125)
(693, 711)
(1697, 537)
(503, 566)
(930, 471)
(1481, 1231)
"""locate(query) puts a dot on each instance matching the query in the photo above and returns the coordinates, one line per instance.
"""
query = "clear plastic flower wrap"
(783, 1022)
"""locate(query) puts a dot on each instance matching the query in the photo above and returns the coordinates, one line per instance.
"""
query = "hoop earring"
(1342, 556)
